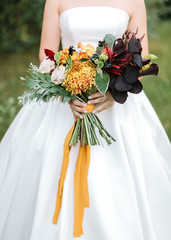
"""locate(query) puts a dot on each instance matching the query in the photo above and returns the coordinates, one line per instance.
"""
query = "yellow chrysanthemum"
(80, 78)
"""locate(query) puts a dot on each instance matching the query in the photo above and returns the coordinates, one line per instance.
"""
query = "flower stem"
(86, 129)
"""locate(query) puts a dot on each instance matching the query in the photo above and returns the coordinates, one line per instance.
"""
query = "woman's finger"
(104, 106)
(96, 95)
(96, 100)
(75, 118)
(77, 114)
(79, 109)
(77, 103)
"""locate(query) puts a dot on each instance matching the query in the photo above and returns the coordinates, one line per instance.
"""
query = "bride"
(129, 181)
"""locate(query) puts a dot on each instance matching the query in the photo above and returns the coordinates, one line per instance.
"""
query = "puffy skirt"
(129, 181)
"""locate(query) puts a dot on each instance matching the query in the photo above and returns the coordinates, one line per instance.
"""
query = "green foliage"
(102, 81)
(57, 56)
(68, 63)
(166, 14)
(8, 111)
(155, 8)
(41, 88)
(20, 24)
(109, 39)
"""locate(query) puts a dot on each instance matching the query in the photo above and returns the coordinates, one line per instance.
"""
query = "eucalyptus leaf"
(99, 50)
(30, 84)
(48, 77)
(45, 85)
(40, 75)
(33, 75)
(41, 91)
(109, 39)
(53, 89)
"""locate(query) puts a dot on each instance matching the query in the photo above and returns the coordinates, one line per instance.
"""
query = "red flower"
(108, 51)
(50, 54)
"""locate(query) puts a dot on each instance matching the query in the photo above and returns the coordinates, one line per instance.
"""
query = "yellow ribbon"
(89, 108)
(81, 193)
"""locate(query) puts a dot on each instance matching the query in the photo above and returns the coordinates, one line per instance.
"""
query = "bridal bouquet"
(115, 65)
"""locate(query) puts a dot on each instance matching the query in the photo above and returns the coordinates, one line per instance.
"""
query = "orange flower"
(64, 56)
(75, 56)
(90, 50)
(87, 53)
(80, 78)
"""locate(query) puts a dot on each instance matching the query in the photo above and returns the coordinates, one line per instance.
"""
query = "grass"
(11, 68)
(157, 89)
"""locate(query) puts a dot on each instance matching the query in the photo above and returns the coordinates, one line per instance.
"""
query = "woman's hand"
(105, 102)
(96, 98)
(77, 108)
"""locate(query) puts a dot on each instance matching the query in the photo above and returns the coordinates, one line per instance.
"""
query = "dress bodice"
(90, 24)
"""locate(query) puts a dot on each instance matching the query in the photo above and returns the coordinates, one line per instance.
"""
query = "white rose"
(46, 66)
(58, 75)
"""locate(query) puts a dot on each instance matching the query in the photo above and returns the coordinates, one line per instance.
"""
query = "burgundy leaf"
(136, 87)
(121, 85)
(134, 45)
(152, 70)
(119, 56)
(112, 81)
(112, 70)
(119, 47)
(131, 74)
(145, 61)
(138, 60)
(119, 96)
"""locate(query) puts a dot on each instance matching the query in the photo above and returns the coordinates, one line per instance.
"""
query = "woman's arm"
(50, 36)
(139, 20)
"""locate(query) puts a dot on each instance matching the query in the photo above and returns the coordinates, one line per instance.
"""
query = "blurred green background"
(20, 22)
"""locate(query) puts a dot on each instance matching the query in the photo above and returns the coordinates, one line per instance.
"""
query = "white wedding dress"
(129, 181)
